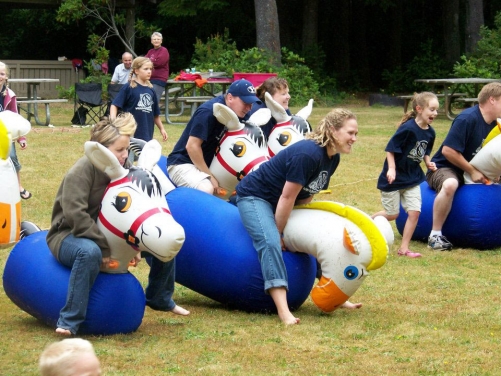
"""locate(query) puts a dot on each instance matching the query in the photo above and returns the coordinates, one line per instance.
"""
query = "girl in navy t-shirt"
(266, 197)
(139, 98)
(402, 173)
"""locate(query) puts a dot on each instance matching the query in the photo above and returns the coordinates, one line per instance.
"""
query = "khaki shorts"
(435, 179)
(410, 198)
(186, 175)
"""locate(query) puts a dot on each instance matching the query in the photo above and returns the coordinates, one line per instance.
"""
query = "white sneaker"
(439, 243)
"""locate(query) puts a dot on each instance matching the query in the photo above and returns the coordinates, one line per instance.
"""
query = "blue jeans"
(84, 258)
(259, 220)
(161, 284)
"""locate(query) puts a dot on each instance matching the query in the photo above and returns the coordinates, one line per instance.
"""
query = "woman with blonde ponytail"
(266, 197)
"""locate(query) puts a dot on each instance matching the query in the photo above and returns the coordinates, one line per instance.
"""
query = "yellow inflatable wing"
(496, 131)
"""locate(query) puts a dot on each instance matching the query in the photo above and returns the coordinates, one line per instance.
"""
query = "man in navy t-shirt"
(464, 140)
(188, 163)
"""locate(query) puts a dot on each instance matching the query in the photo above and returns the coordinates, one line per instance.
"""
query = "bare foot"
(180, 311)
(289, 319)
(350, 305)
(63, 332)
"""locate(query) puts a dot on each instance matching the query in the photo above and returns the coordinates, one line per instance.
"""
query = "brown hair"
(271, 85)
(419, 99)
(492, 89)
(322, 134)
(137, 63)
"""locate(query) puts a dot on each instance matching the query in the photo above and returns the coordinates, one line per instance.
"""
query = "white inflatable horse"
(289, 129)
(345, 241)
(242, 148)
(12, 126)
(134, 214)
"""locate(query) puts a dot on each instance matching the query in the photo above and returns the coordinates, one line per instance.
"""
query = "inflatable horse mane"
(134, 217)
(289, 129)
(12, 126)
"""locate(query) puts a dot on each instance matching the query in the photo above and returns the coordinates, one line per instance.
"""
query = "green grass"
(437, 315)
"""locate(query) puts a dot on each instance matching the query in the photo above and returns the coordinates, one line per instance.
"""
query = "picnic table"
(32, 100)
(450, 88)
(186, 94)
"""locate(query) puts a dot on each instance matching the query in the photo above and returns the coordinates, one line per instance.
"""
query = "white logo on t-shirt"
(145, 103)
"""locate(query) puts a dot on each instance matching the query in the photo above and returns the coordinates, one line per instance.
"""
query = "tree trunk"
(130, 28)
(474, 19)
(452, 40)
(267, 27)
(310, 24)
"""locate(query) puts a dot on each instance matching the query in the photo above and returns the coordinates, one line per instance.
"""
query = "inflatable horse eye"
(351, 272)
(239, 149)
(289, 129)
(123, 202)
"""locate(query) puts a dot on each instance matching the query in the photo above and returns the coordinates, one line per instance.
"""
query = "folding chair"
(113, 90)
(88, 99)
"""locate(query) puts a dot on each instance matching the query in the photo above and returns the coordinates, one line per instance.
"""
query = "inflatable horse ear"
(134, 215)
(289, 129)
(242, 148)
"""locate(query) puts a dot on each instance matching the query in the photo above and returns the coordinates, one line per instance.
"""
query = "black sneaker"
(439, 243)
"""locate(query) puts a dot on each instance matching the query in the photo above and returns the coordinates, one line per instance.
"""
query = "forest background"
(349, 45)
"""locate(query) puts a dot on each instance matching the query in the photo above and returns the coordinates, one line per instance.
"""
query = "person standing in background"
(160, 58)
(121, 74)
(9, 102)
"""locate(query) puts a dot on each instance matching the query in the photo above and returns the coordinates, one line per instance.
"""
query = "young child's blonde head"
(137, 63)
(71, 356)
(419, 99)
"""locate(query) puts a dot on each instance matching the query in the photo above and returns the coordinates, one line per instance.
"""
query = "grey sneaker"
(439, 243)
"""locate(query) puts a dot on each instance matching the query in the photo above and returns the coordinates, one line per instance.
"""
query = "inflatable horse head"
(12, 126)
(134, 214)
(345, 241)
(289, 129)
(242, 148)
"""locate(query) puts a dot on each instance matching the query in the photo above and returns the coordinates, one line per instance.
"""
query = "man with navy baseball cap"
(188, 163)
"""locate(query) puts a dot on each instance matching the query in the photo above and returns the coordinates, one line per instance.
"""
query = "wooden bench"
(194, 101)
(35, 103)
(407, 98)
(470, 101)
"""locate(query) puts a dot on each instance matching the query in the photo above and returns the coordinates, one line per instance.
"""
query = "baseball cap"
(244, 90)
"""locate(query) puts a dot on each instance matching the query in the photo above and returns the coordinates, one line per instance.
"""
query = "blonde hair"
(336, 119)
(7, 73)
(137, 63)
(107, 132)
(271, 85)
(418, 99)
(492, 89)
(58, 358)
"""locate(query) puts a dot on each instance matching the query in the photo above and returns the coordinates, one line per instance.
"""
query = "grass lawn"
(437, 315)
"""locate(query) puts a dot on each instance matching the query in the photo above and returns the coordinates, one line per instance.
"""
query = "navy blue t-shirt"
(409, 144)
(204, 125)
(468, 131)
(142, 103)
(304, 162)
